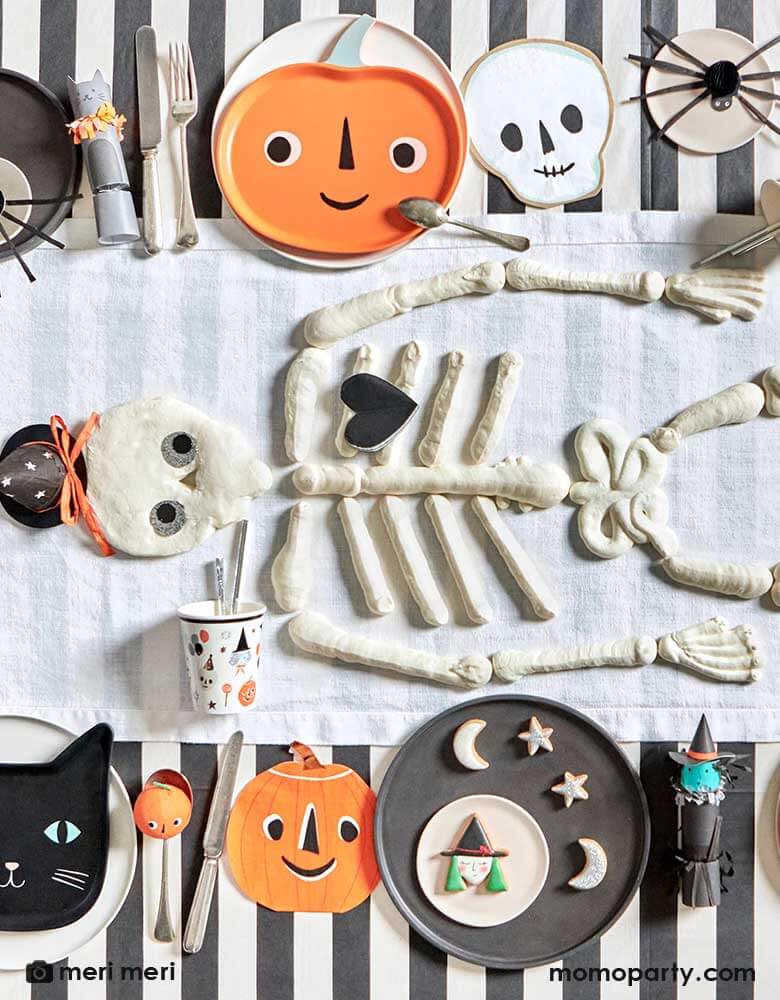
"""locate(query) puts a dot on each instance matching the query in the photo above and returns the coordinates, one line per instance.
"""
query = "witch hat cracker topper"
(702, 748)
(474, 859)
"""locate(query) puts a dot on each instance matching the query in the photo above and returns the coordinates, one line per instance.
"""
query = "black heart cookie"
(381, 410)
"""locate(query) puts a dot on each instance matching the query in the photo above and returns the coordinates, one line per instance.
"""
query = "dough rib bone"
(411, 558)
(315, 634)
(305, 378)
(368, 568)
(411, 365)
(365, 361)
(431, 444)
(502, 395)
(467, 576)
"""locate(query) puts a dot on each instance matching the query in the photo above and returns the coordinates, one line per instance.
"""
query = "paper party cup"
(222, 654)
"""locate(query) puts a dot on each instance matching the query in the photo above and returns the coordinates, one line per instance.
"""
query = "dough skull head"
(162, 476)
(540, 114)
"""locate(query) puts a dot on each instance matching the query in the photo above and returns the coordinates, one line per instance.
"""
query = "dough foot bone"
(313, 633)
(719, 293)
(535, 484)
(710, 649)
(736, 405)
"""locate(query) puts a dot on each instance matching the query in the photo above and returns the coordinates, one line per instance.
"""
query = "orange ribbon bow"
(73, 498)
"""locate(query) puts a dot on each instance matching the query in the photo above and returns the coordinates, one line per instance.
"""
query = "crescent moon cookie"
(595, 867)
(464, 745)
(537, 737)
(572, 787)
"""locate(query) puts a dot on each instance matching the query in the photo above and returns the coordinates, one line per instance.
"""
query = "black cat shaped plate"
(67, 840)
(424, 776)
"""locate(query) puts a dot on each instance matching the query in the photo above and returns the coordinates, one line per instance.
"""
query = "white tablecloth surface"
(88, 638)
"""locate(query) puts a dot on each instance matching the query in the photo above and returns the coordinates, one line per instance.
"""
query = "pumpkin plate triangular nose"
(381, 410)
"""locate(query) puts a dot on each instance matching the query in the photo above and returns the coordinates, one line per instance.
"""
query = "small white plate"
(702, 129)
(30, 741)
(510, 828)
(311, 40)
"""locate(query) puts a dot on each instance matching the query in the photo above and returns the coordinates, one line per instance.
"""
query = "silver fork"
(184, 107)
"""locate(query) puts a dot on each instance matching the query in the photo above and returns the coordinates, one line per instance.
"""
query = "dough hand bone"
(292, 569)
(772, 390)
(714, 650)
(365, 361)
(412, 361)
(331, 324)
(636, 651)
(719, 293)
(315, 634)
(305, 378)
(535, 484)
(411, 558)
(527, 276)
(431, 444)
(467, 576)
(522, 567)
(502, 395)
(368, 568)
(736, 405)
(745, 580)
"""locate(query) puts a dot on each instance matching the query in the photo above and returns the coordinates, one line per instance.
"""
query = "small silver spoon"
(429, 214)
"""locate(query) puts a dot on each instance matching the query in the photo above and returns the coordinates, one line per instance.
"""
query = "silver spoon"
(429, 214)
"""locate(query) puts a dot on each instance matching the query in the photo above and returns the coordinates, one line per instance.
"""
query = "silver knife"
(151, 133)
(213, 841)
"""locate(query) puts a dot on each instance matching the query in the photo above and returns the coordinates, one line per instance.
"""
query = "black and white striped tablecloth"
(371, 954)
(50, 39)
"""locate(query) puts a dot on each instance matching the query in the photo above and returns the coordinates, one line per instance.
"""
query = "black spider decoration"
(28, 226)
(721, 82)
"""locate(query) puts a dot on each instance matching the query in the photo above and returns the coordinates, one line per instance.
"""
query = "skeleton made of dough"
(160, 477)
(622, 504)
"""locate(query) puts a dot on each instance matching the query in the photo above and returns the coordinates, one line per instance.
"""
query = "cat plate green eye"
(62, 831)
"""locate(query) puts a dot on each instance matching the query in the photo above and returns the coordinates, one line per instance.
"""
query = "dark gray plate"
(33, 136)
(424, 776)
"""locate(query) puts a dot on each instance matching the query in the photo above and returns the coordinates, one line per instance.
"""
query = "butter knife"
(150, 124)
(213, 841)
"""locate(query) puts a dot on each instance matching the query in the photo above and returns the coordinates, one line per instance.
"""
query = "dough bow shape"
(621, 503)
(531, 483)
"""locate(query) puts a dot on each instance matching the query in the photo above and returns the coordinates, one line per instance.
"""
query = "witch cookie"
(473, 861)
(153, 477)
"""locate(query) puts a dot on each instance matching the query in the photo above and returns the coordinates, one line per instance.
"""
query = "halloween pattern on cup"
(222, 665)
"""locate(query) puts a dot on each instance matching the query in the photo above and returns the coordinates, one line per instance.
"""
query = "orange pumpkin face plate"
(317, 156)
(300, 837)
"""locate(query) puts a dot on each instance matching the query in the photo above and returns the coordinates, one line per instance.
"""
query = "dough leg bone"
(331, 324)
(466, 574)
(305, 378)
(536, 484)
(315, 634)
(526, 275)
(713, 650)
(636, 651)
(431, 444)
(292, 569)
(771, 382)
(493, 420)
(411, 558)
(745, 580)
(735, 405)
(522, 567)
(365, 361)
(365, 560)
(719, 293)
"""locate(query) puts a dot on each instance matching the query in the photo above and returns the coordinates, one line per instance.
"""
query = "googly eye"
(152, 824)
(62, 831)
(179, 449)
(571, 118)
(348, 829)
(512, 137)
(167, 517)
(177, 821)
(282, 149)
(273, 827)
(408, 154)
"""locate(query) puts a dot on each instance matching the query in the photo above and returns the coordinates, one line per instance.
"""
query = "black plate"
(34, 137)
(424, 776)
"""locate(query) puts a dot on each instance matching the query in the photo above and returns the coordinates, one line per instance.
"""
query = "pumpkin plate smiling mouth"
(311, 874)
(342, 206)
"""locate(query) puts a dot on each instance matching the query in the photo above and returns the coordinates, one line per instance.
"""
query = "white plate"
(311, 40)
(508, 826)
(31, 741)
(702, 129)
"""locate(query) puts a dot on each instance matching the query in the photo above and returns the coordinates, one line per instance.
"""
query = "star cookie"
(537, 736)
(572, 787)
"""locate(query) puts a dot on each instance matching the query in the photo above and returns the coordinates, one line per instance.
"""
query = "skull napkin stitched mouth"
(540, 114)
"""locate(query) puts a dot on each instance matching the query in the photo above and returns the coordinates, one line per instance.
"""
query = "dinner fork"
(184, 107)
